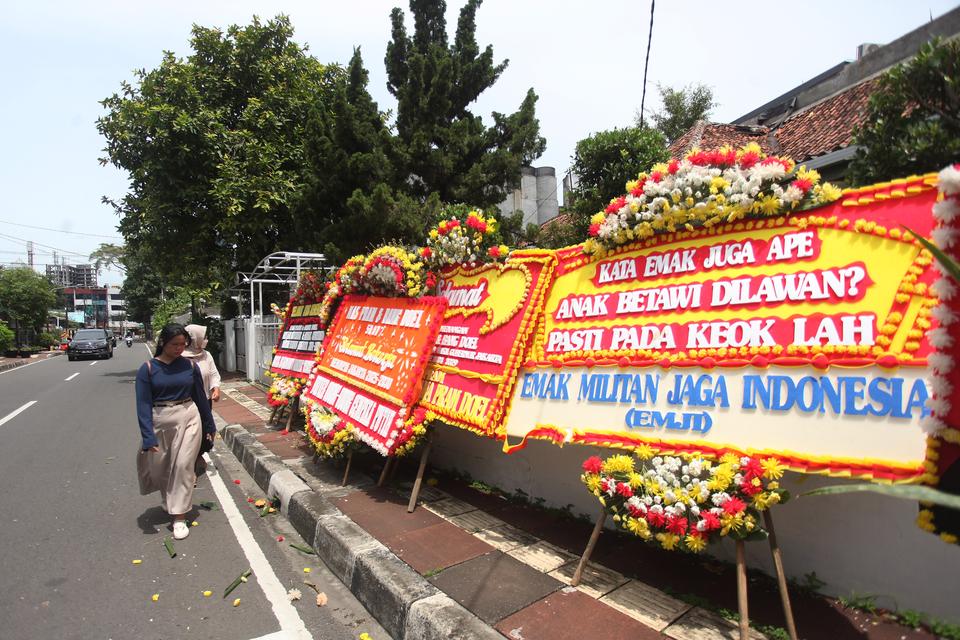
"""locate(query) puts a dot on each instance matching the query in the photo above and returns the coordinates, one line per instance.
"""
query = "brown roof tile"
(824, 127)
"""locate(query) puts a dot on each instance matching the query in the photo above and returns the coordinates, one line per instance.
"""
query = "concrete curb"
(405, 603)
(25, 361)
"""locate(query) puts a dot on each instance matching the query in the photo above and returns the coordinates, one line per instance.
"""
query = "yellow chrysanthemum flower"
(829, 192)
(644, 452)
(636, 481)
(695, 543)
(638, 527)
(618, 464)
(593, 482)
(598, 218)
(808, 174)
(772, 469)
(668, 541)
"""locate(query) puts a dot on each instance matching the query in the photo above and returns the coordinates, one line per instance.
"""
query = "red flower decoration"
(594, 229)
(593, 464)
(677, 525)
(733, 506)
(624, 489)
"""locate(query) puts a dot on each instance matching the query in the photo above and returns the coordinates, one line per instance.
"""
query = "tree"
(25, 298)
(108, 256)
(443, 147)
(681, 109)
(603, 163)
(912, 124)
(353, 189)
(213, 146)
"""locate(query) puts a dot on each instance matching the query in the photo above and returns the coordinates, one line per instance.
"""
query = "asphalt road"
(73, 521)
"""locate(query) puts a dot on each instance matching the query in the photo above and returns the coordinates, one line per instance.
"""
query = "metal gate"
(240, 333)
(267, 333)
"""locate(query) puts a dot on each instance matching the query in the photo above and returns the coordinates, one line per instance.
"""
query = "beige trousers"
(178, 430)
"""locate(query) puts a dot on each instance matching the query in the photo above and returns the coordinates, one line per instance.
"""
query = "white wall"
(862, 543)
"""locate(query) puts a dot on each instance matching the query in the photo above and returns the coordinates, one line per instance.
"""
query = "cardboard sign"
(373, 361)
(298, 341)
(491, 310)
(801, 337)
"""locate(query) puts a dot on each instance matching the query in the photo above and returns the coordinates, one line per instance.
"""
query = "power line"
(47, 246)
(646, 64)
(75, 233)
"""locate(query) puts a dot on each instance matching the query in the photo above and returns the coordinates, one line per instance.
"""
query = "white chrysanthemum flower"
(944, 315)
(940, 338)
(944, 237)
(941, 363)
(939, 406)
(940, 386)
(932, 425)
(948, 180)
(946, 211)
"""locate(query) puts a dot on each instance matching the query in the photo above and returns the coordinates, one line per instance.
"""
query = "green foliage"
(920, 493)
(861, 602)
(213, 147)
(912, 123)
(604, 163)
(107, 255)
(6, 337)
(910, 618)
(443, 148)
(681, 109)
(25, 297)
(47, 339)
(944, 630)
(177, 304)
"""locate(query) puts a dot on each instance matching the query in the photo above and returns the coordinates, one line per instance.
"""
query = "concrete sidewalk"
(13, 363)
(470, 564)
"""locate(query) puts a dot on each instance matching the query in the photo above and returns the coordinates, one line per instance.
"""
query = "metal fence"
(266, 339)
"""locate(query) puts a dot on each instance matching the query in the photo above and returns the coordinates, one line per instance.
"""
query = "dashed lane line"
(71, 377)
(13, 414)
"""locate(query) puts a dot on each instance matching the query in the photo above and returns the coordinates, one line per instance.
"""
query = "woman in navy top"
(174, 415)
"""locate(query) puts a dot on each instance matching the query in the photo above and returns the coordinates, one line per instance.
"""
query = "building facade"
(100, 307)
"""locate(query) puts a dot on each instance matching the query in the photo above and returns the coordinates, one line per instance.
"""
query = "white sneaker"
(180, 530)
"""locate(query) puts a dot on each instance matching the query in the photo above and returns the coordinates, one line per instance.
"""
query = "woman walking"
(174, 417)
(196, 351)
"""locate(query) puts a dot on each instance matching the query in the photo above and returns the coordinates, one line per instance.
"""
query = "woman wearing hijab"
(196, 351)
(174, 416)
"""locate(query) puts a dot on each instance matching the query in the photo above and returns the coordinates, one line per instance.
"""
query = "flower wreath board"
(490, 314)
(732, 309)
(799, 337)
(371, 367)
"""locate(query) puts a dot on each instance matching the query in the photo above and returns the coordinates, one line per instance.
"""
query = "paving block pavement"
(468, 565)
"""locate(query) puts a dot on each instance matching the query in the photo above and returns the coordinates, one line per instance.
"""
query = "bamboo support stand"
(273, 414)
(346, 472)
(742, 591)
(386, 470)
(419, 480)
(585, 558)
(293, 411)
(781, 576)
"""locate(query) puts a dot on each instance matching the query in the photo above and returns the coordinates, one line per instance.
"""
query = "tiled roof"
(712, 135)
(824, 127)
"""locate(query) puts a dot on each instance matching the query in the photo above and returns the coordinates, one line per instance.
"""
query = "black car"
(95, 343)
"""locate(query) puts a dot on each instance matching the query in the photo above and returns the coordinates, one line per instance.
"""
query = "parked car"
(94, 343)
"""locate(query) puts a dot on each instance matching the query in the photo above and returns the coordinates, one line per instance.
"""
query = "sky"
(58, 59)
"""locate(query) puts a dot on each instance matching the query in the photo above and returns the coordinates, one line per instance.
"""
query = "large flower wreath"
(684, 503)
(310, 289)
(464, 235)
(704, 189)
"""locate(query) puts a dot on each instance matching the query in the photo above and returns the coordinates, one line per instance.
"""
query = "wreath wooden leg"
(346, 472)
(273, 414)
(742, 591)
(585, 558)
(781, 576)
(419, 480)
(290, 417)
(386, 470)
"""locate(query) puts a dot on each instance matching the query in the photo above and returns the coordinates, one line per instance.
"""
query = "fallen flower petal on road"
(306, 569)
(207, 593)
(279, 538)
(155, 597)
(321, 599)
(236, 602)
(137, 561)
(294, 594)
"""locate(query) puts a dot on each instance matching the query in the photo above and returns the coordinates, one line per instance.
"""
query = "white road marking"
(291, 625)
(71, 377)
(276, 635)
(13, 414)
(94, 362)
